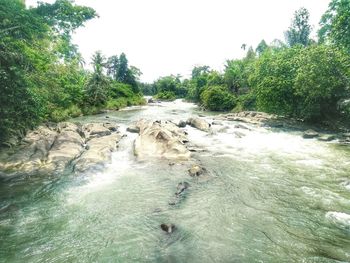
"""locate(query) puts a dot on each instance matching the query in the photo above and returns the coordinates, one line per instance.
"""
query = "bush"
(166, 95)
(301, 82)
(118, 90)
(217, 98)
(60, 114)
(246, 102)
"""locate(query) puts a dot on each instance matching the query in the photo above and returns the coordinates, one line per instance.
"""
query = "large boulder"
(67, 146)
(33, 149)
(199, 123)
(51, 149)
(160, 139)
(99, 151)
(133, 128)
(95, 130)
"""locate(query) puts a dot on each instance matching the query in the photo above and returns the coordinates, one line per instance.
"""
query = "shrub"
(166, 95)
(217, 98)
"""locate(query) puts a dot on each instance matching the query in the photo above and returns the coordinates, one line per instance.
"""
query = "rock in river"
(160, 139)
(51, 149)
(169, 228)
(196, 170)
(199, 123)
(181, 187)
(309, 134)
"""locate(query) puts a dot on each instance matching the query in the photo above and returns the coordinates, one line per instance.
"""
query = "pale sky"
(163, 37)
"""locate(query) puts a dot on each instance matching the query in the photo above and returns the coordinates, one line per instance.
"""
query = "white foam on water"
(339, 218)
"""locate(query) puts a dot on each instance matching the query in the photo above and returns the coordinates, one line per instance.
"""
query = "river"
(269, 196)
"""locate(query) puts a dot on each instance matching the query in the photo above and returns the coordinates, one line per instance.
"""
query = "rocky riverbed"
(169, 183)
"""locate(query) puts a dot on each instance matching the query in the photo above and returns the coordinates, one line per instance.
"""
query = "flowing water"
(270, 196)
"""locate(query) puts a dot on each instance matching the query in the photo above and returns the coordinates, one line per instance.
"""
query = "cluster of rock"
(160, 139)
(275, 121)
(53, 148)
(253, 117)
(167, 140)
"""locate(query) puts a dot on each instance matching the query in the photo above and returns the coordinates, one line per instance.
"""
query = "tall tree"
(113, 67)
(335, 24)
(122, 71)
(300, 29)
(261, 47)
(97, 86)
(199, 70)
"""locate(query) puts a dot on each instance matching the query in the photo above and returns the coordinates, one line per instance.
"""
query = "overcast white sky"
(163, 37)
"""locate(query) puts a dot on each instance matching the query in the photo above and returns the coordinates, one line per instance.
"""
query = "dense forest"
(42, 74)
(43, 78)
(300, 77)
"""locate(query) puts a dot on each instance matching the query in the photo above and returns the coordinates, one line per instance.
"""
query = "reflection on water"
(271, 197)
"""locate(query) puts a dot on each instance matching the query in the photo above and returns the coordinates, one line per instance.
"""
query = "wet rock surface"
(169, 228)
(161, 139)
(199, 123)
(196, 170)
(309, 134)
(51, 149)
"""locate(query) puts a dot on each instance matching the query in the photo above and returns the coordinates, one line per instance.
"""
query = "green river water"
(270, 196)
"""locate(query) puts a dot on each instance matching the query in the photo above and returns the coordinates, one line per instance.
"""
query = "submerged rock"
(195, 170)
(327, 137)
(239, 134)
(133, 129)
(160, 139)
(181, 187)
(241, 126)
(199, 123)
(169, 228)
(182, 124)
(309, 134)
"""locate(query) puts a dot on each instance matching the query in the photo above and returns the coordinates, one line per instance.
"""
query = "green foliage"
(118, 70)
(299, 32)
(262, 46)
(335, 24)
(234, 74)
(148, 89)
(41, 74)
(166, 95)
(98, 84)
(246, 102)
(21, 32)
(321, 81)
(170, 87)
(301, 82)
(218, 98)
(273, 81)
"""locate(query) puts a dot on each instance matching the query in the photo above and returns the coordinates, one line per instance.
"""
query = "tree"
(301, 82)
(113, 67)
(97, 86)
(300, 29)
(234, 74)
(262, 46)
(122, 71)
(217, 98)
(335, 24)
(199, 70)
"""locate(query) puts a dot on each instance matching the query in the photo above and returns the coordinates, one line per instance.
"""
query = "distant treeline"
(301, 77)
